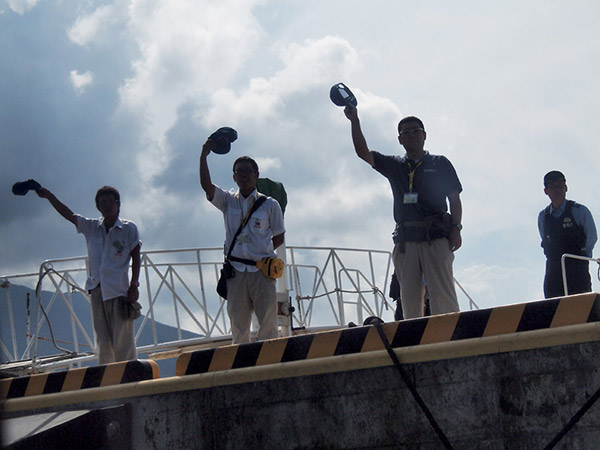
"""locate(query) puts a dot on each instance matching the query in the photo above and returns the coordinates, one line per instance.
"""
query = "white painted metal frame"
(327, 287)
(563, 268)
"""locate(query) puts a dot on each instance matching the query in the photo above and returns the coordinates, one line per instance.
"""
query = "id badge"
(411, 197)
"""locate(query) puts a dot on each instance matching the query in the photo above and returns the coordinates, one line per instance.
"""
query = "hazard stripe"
(543, 314)
(81, 378)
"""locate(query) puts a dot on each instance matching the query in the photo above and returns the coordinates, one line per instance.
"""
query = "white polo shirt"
(254, 242)
(108, 254)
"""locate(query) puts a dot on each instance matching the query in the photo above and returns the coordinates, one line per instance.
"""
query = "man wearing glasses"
(249, 290)
(426, 235)
(565, 227)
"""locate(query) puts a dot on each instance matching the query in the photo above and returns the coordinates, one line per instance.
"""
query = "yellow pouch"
(271, 267)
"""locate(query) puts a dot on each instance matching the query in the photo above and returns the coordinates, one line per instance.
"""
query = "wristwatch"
(458, 226)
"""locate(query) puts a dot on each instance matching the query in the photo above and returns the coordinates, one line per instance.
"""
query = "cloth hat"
(553, 175)
(223, 137)
(341, 95)
(22, 187)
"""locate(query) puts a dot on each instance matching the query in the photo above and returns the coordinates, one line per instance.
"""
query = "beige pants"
(431, 262)
(249, 292)
(115, 337)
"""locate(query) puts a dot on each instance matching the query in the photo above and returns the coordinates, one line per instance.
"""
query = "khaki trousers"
(249, 292)
(115, 337)
(429, 262)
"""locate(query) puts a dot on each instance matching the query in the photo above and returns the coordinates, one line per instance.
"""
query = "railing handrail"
(185, 287)
(563, 266)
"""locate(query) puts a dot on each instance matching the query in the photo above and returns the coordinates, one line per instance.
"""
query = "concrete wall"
(506, 400)
(514, 400)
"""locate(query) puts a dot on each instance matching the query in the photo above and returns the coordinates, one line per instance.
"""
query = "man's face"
(412, 136)
(556, 190)
(245, 176)
(108, 206)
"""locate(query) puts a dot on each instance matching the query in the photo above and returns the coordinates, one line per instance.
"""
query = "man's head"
(555, 187)
(245, 174)
(108, 201)
(411, 134)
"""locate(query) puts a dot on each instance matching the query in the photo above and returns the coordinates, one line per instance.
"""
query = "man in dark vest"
(565, 227)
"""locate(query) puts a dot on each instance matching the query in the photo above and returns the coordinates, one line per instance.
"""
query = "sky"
(125, 92)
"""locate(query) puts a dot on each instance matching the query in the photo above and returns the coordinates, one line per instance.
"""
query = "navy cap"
(553, 175)
(22, 187)
(341, 95)
(223, 138)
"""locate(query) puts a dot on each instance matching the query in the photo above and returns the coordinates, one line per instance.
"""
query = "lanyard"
(411, 175)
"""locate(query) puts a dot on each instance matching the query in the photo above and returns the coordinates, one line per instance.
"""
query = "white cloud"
(94, 26)
(21, 6)
(506, 90)
(81, 81)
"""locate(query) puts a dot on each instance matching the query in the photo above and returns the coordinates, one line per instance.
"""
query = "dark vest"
(562, 234)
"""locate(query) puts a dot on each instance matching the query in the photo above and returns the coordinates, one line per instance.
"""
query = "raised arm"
(358, 139)
(59, 206)
(205, 180)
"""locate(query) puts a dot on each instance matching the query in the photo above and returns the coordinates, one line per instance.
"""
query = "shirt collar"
(253, 195)
(118, 223)
(560, 209)
(407, 159)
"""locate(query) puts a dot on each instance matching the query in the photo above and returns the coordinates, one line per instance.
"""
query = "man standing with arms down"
(565, 227)
(249, 290)
(425, 236)
(111, 242)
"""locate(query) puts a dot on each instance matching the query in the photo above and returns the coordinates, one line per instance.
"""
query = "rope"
(38, 296)
(578, 415)
(412, 388)
(42, 338)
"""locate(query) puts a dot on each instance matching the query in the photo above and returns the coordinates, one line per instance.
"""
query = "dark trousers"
(578, 278)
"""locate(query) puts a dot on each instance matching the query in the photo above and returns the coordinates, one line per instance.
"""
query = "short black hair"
(410, 119)
(104, 190)
(554, 175)
(247, 159)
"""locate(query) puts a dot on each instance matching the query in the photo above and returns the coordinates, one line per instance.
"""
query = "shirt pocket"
(118, 250)
(259, 223)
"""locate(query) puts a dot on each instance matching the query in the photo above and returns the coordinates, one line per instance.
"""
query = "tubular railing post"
(563, 267)
(202, 291)
(339, 293)
(12, 321)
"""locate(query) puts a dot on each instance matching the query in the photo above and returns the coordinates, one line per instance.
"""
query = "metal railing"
(322, 287)
(563, 259)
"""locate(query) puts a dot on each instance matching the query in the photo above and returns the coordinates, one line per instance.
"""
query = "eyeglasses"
(411, 131)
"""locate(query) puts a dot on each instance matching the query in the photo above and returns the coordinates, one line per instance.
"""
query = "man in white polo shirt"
(111, 242)
(249, 290)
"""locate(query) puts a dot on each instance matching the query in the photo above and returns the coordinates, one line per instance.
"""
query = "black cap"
(341, 95)
(553, 175)
(22, 187)
(223, 137)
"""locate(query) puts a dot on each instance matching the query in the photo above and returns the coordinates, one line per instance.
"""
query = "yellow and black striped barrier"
(81, 378)
(537, 315)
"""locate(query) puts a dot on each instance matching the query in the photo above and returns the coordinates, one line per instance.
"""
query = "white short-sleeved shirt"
(254, 242)
(108, 254)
